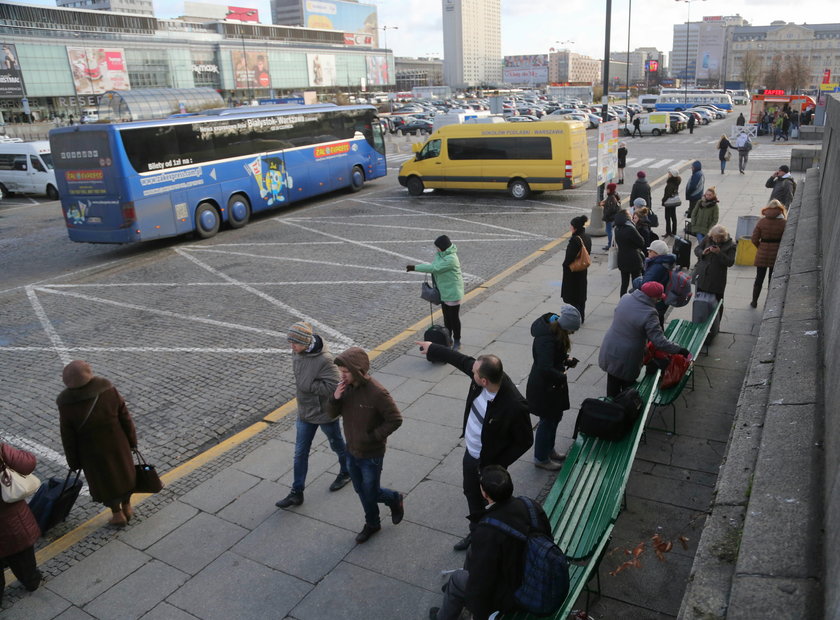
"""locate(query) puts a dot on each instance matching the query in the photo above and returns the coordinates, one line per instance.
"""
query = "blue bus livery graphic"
(143, 180)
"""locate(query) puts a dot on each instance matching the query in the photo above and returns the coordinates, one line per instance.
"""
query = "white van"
(655, 123)
(27, 168)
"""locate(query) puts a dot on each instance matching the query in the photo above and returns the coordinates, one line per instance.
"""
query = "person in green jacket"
(446, 271)
(705, 214)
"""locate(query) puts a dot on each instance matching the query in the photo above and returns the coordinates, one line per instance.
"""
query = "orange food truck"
(777, 99)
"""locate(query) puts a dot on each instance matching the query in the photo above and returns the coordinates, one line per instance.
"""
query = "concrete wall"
(829, 232)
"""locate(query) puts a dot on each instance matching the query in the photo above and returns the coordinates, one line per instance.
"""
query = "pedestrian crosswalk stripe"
(642, 162)
(662, 163)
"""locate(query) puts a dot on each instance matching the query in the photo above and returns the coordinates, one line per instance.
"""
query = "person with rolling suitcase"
(446, 274)
(54, 499)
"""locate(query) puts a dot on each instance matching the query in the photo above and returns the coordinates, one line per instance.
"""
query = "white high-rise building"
(472, 43)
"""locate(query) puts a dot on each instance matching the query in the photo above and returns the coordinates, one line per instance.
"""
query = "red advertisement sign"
(332, 149)
(826, 76)
(243, 14)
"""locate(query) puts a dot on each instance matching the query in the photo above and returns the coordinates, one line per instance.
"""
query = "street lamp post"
(627, 74)
(385, 30)
(687, 31)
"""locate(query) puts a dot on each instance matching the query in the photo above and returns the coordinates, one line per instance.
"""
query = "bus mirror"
(416, 147)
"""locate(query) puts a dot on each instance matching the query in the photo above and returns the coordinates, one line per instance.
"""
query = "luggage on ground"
(52, 502)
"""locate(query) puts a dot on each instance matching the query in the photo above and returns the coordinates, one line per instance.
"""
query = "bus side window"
(36, 164)
(431, 150)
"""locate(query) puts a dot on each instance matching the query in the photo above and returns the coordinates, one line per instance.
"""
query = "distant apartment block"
(472, 43)
(142, 7)
(568, 66)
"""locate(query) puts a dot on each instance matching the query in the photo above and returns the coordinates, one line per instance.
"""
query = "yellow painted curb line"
(94, 523)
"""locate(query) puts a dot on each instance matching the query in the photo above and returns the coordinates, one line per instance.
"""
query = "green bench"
(692, 336)
(586, 499)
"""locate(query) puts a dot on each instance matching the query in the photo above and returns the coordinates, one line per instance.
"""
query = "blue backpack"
(545, 581)
(678, 289)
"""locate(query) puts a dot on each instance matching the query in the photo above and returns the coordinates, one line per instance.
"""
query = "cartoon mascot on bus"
(271, 177)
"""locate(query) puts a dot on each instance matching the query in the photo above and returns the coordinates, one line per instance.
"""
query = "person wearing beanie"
(611, 204)
(672, 196)
(446, 276)
(370, 416)
(547, 391)
(641, 189)
(695, 187)
(622, 161)
(316, 378)
(635, 321)
(705, 214)
(766, 236)
(573, 287)
(98, 436)
(658, 267)
(783, 186)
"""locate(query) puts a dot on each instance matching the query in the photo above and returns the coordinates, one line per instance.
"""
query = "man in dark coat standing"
(494, 568)
(641, 189)
(783, 186)
(496, 427)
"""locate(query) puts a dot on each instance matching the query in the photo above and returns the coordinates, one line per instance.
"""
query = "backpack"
(545, 581)
(678, 289)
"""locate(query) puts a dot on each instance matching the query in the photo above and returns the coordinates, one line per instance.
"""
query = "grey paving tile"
(220, 490)
(86, 580)
(165, 611)
(254, 506)
(354, 593)
(43, 604)
(270, 461)
(151, 530)
(197, 542)
(321, 461)
(402, 471)
(440, 410)
(297, 545)
(138, 593)
(73, 613)
(440, 507)
(236, 587)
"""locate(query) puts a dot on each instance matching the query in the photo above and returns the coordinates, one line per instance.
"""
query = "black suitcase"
(53, 500)
(438, 334)
(682, 249)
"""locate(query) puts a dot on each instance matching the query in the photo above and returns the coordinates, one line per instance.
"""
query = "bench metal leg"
(673, 418)
(596, 574)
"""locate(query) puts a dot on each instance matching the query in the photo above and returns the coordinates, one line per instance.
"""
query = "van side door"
(37, 178)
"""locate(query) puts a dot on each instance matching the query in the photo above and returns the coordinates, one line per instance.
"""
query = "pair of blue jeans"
(544, 439)
(609, 227)
(305, 434)
(365, 475)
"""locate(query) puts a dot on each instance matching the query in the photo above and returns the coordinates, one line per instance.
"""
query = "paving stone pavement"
(212, 544)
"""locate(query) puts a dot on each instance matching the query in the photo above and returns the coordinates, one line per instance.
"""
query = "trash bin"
(745, 253)
(746, 223)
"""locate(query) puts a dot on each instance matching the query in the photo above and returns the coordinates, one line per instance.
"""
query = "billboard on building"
(250, 69)
(710, 45)
(528, 69)
(11, 79)
(207, 10)
(321, 69)
(98, 69)
(377, 71)
(345, 16)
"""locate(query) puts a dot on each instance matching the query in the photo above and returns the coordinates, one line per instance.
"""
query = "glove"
(409, 267)
(684, 352)
(572, 362)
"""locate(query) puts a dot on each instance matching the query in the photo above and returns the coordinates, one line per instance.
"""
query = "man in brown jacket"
(370, 415)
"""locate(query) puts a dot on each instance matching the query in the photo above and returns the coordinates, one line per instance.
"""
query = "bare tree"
(773, 76)
(750, 69)
(795, 73)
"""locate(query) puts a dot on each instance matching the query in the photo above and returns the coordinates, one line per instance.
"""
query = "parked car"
(679, 121)
(706, 116)
(521, 119)
(416, 126)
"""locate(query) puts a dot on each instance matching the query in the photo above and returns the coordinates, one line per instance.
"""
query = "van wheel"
(52, 192)
(239, 211)
(207, 220)
(3, 191)
(519, 189)
(656, 132)
(626, 131)
(357, 178)
(415, 186)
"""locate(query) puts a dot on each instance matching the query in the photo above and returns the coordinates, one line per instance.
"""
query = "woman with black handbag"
(446, 271)
(671, 200)
(548, 387)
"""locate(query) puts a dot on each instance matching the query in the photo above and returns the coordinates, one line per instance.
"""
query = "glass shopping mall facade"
(58, 62)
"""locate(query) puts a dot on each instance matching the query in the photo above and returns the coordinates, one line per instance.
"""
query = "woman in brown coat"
(18, 528)
(766, 236)
(98, 436)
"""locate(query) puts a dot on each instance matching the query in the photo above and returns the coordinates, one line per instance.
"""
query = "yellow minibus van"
(519, 157)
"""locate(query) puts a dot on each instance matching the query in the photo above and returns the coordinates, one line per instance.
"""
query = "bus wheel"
(207, 220)
(656, 131)
(519, 189)
(52, 192)
(357, 178)
(415, 186)
(239, 211)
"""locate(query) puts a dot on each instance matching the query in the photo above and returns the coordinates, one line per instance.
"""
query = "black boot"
(756, 293)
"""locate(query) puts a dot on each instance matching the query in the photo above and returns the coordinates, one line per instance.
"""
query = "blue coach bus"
(136, 181)
(677, 100)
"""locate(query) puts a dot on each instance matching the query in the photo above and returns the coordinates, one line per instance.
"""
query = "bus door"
(291, 172)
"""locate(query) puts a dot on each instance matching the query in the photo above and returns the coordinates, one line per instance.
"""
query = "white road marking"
(58, 344)
(661, 163)
(282, 351)
(325, 329)
(411, 228)
(298, 260)
(642, 162)
(285, 283)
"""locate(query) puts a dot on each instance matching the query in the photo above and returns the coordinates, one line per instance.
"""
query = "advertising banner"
(710, 43)
(377, 71)
(250, 70)
(345, 16)
(11, 80)
(528, 69)
(607, 152)
(98, 69)
(321, 69)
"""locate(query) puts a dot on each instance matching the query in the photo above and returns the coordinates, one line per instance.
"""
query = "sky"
(536, 26)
